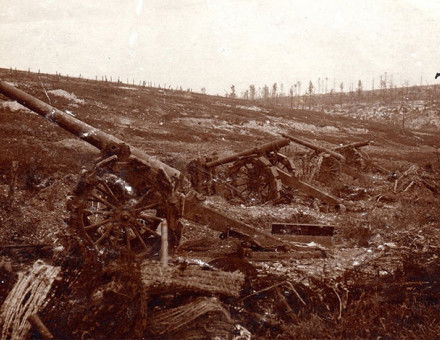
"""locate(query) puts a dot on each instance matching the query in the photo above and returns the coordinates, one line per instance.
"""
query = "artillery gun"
(261, 174)
(325, 165)
(118, 204)
(256, 175)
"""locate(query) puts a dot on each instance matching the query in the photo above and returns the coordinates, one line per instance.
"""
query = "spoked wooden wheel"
(283, 163)
(114, 216)
(329, 170)
(254, 181)
(356, 158)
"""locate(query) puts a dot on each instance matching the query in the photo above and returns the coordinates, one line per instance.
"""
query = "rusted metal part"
(260, 150)
(315, 147)
(303, 229)
(99, 139)
(292, 181)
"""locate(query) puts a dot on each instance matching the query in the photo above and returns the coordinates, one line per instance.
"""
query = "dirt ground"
(344, 290)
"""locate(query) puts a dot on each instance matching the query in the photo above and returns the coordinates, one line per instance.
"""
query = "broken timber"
(170, 320)
(163, 280)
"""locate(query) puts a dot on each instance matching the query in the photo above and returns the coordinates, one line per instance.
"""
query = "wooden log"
(163, 280)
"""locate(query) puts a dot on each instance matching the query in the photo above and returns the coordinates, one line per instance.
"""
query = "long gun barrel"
(86, 132)
(275, 145)
(315, 147)
(352, 145)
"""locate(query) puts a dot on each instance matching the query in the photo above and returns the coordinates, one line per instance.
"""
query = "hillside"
(384, 251)
(173, 125)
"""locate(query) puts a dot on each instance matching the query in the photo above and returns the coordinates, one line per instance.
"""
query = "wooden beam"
(291, 181)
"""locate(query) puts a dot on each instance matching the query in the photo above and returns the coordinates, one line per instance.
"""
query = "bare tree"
(266, 93)
(232, 94)
(341, 87)
(359, 88)
(291, 96)
(274, 92)
(252, 92)
(310, 90)
(296, 93)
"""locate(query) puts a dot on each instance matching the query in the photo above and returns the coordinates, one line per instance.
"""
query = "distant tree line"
(319, 93)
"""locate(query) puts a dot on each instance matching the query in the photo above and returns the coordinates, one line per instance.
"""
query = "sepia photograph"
(219, 169)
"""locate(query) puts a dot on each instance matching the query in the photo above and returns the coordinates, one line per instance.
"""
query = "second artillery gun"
(120, 202)
(263, 173)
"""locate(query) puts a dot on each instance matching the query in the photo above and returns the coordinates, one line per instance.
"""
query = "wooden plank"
(291, 181)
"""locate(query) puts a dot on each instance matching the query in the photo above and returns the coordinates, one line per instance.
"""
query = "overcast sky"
(216, 43)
